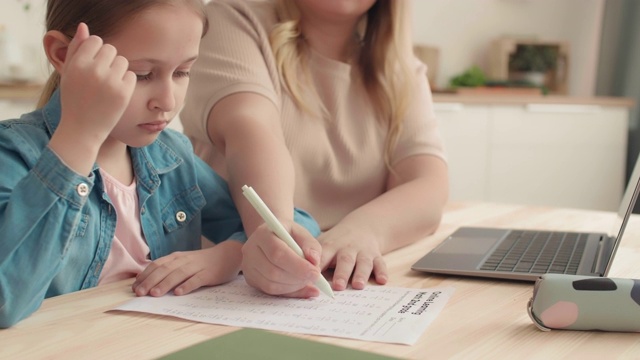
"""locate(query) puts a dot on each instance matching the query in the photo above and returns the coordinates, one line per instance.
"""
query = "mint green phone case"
(573, 302)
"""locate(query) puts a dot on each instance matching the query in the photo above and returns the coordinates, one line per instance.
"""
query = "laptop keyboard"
(538, 252)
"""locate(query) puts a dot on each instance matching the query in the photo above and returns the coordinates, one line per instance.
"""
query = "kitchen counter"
(21, 92)
(32, 92)
(532, 99)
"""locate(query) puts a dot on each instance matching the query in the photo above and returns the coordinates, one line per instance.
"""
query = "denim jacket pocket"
(183, 209)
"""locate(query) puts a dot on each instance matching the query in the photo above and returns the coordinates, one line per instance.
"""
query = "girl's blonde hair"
(104, 18)
(383, 62)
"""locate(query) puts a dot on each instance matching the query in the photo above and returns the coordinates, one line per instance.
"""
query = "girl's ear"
(56, 45)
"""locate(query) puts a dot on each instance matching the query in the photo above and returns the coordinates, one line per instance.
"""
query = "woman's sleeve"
(420, 134)
(40, 208)
(235, 56)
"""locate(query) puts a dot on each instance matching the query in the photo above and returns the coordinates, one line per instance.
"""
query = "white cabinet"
(539, 154)
(465, 131)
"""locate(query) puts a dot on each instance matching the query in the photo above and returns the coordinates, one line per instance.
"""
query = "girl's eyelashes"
(141, 77)
(177, 74)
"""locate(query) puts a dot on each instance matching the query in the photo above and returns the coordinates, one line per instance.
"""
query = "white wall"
(24, 30)
(462, 29)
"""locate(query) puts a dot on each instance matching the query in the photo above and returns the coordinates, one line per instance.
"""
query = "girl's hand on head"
(269, 265)
(353, 255)
(184, 272)
(96, 85)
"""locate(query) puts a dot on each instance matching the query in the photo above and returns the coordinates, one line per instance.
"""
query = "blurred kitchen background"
(579, 120)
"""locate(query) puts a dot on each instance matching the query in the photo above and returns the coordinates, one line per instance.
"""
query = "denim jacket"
(56, 226)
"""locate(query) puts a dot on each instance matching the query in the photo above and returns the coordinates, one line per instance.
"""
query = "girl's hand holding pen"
(272, 267)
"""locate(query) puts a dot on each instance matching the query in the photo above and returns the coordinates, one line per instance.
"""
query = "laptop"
(527, 254)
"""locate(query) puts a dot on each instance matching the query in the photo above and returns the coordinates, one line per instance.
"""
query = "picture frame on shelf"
(542, 63)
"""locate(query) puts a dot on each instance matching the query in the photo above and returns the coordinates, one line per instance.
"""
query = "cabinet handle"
(563, 108)
(448, 107)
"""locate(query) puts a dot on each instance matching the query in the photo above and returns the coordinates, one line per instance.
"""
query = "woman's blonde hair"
(382, 62)
(104, 18)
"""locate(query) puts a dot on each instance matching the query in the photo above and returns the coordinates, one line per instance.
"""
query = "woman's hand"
(417, 191)
(352, 253)
(187, 271)
(269, 265)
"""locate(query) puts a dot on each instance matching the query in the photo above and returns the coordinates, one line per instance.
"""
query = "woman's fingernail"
(315, 255)
(312, 275)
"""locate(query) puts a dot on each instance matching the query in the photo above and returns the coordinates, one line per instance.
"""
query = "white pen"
(281, 232)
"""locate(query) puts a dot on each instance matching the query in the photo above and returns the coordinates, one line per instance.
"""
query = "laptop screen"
(626, 208)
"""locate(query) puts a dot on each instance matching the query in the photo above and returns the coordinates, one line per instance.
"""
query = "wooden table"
(483, 319)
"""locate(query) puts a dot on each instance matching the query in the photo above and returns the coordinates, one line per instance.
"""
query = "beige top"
(339, 163)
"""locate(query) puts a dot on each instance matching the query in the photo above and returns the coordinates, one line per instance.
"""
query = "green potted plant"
(532, 62)
(472, 77)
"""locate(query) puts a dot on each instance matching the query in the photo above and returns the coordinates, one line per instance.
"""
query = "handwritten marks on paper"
(377, 313)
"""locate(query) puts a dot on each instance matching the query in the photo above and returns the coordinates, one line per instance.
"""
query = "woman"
(319, 104)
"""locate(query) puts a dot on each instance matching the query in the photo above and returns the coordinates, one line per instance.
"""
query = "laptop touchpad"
(466, 245)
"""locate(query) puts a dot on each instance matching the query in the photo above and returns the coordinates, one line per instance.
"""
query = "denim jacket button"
(82, 189)
(181, 216)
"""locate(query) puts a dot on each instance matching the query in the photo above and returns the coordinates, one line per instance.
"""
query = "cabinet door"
(464, 130)
(558, 155)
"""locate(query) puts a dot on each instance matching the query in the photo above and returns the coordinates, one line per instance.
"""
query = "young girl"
(92, 190)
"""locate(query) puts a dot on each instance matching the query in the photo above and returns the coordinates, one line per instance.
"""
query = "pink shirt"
(129, 253)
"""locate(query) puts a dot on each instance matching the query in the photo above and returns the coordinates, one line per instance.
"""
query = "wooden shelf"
(20, 91)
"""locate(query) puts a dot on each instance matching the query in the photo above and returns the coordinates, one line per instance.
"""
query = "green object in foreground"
(265, 345)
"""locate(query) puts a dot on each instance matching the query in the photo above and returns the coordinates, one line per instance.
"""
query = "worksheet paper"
(377, 313)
